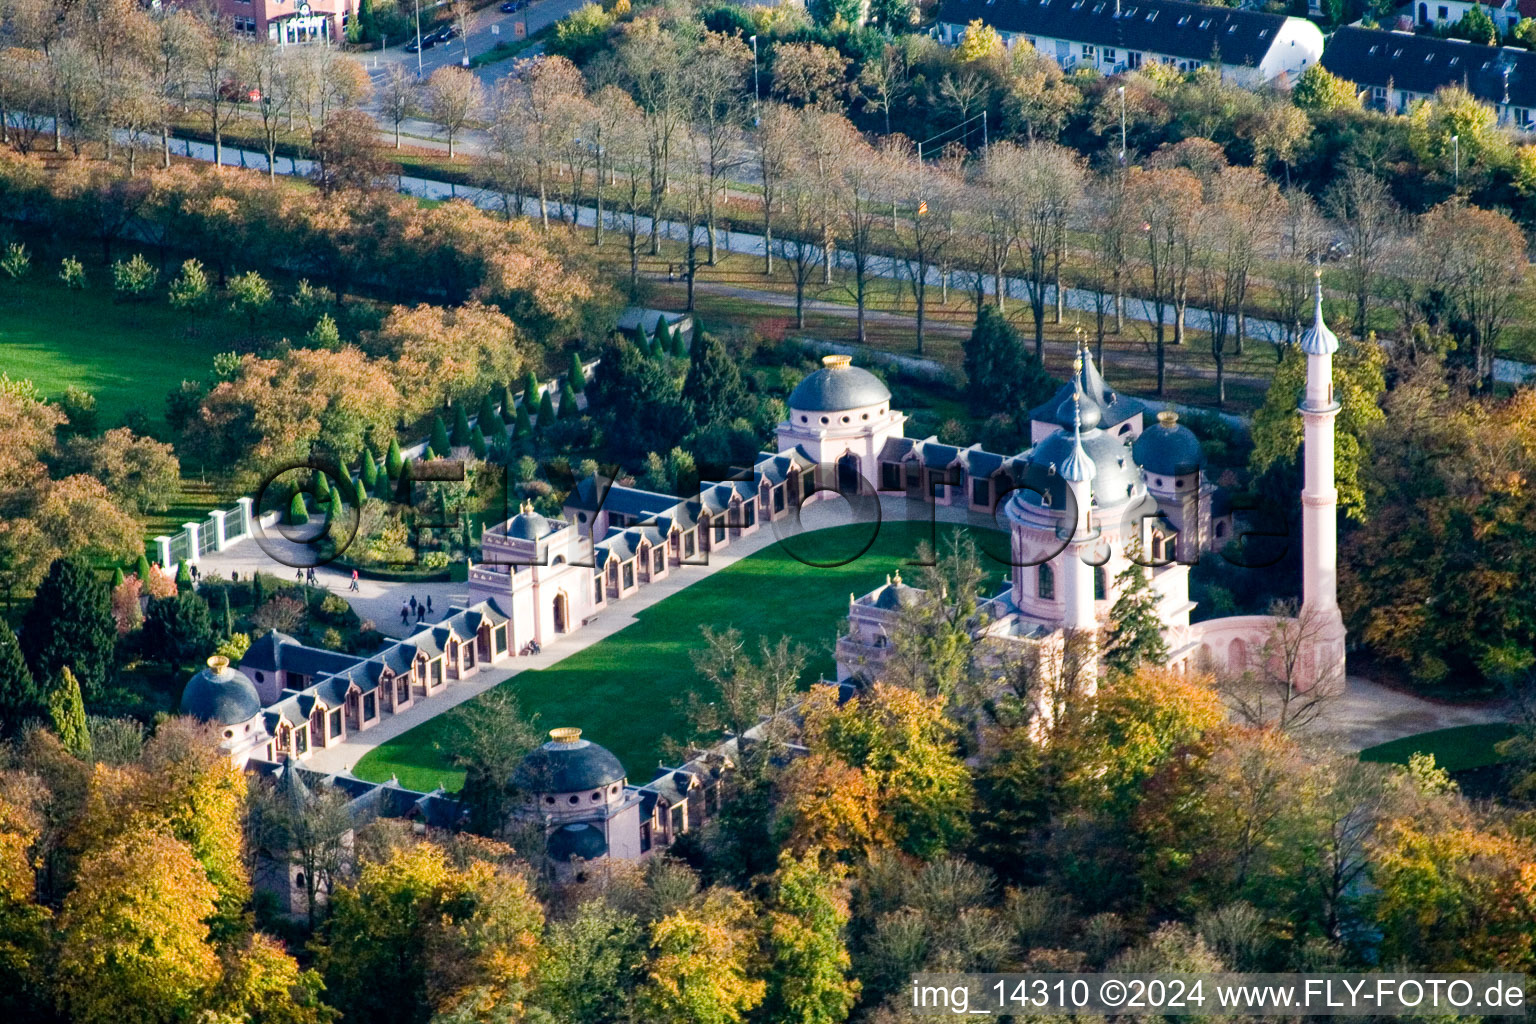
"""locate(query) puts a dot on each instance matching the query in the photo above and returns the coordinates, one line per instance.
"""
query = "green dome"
(220, 695)
(567, 764)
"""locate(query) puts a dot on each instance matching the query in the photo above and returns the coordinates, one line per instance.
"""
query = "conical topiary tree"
(487, 419)
(440, 441)
(639, 338)
(117, 578)
(298, 514)
(370, 470)
(359, 493)
(679, 342)
(644, 345)
(385, 490)
(403, 486)
(322, 488)
(460, 426)
(258, 592)
(575, 376)
(429, 454)
(508, 405)
(546, 411)
(227, 613)
(141, 567)
(524, 424)
(21, 699)
(477, 442)
(66, 708)
(530, 389)
(568, 408)
(392, 460)
(183, 574)
(663, 336)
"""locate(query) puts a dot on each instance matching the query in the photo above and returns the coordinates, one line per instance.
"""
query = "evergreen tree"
(575, 376)
(322, 488)
(487, 419)
(530, 389)
(366, 21)
(440, 441)
(70, 624)
(569, 410)
(183, 574)
(21, 699)
(661, 342)
(680, 343)
(227, 614)
(713, 390)
(141, 567)
(359, 494)
(392, 459)
(546, 411)
(639, 339)
(460, 426)
(298, 513)
(179, 629)
(1135, 634)
(1002, 375)
(370, 470)
(639, 401)
(258, 592)
(429, 454)
(524, 424)
(66, 709)
(403, 486)
(117, 577)
(508, 405)
(477, 442)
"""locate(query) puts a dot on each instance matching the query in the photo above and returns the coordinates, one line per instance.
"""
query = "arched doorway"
(562, 613)
(1237, 656)
(848, 474)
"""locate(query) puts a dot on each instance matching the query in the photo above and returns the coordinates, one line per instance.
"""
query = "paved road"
(487, 28)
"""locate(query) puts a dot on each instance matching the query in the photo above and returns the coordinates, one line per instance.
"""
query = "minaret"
(1320, 500)
(1078, 470)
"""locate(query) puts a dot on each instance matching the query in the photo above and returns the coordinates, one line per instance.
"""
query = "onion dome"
(1109, 409)
(1168, 449)
(220, 695)
(578, 840)
(529, 525)
(567, 764)
(1318, 340)
(1077, 467)
(838, 385)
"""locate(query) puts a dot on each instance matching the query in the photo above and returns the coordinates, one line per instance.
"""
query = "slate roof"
(1170, 27)
(1169, 448)
(837, 387)
(220, 695)
(1113, 408)
(567, 766)
(1422, 64)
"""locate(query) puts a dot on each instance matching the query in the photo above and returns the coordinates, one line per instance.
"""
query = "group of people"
(420, 609)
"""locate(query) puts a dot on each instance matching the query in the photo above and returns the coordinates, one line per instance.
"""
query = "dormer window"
(1151, 15)
(1205, 23)
(1184, 21)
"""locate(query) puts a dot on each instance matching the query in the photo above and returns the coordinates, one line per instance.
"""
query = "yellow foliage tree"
(979, 41)
(700, 964)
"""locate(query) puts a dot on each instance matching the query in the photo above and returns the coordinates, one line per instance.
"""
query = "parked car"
(446, 33)
(427, 42)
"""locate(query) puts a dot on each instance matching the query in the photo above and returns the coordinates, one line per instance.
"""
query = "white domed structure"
(578, 789)
(228, 701)
(840, 417)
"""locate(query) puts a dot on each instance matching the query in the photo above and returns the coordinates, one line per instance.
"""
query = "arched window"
(1100, 583)
(1045, 583)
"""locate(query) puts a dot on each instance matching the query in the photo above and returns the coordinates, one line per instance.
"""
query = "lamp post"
(1122, 125)
(418, 39)
(757, 98)
(1456, 148)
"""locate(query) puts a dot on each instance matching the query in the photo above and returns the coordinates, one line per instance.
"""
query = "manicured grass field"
(1457, 749)
(626, 692)
(128, 356)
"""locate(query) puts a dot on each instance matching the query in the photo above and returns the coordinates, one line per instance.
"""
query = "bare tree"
(1278, 689)
(1108, 236)
(775, 137)
(1050, 184)
(933, 193)
(1361, 205)
(714, 79)
(1243, 210)
(803, 244)
(292, 826)
(859, 186)
(746, 690)
(213, 54)
(1166, 201)
(883, 80)
(625, 140)
(463, 12)
(1300, 244)
(453, 98)
(170, 64)
(651, 63)
(537, 111)
(399, 97)
(269, 70)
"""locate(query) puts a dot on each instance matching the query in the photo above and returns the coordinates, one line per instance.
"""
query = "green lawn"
(128, 356)
(624, 692)
(1457, 749)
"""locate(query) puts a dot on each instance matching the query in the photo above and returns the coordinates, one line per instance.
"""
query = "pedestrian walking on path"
(353, 586)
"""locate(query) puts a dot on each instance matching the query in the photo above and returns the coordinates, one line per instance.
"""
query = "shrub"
(477, 442)
(234, 646)
(298, 512)
(460, 426)
(16, 263)
(530, 388)
(190, 290)
(546, 410)
(575, 376)
(435, 560)
(334, 607)
(72, 273)
(440, 441)
(135, 278)
(392, 460)
(568, 405)
(310, 302)
(331, 639)
(249, 295)
(324, 334)
(284, 614)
